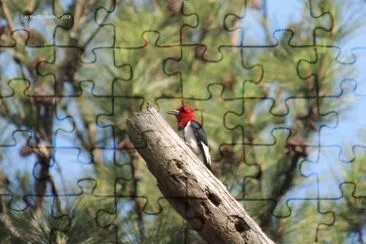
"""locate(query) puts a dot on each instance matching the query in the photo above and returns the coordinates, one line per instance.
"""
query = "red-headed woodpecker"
(192, 133)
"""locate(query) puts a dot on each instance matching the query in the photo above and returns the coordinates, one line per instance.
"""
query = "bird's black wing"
(201, 136)
(199, 133)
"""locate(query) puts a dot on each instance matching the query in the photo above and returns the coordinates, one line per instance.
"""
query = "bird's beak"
(173, 112)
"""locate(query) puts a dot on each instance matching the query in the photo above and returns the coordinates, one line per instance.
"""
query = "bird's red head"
(184, 114)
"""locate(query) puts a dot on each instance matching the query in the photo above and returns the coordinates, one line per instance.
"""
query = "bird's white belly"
(188, 136)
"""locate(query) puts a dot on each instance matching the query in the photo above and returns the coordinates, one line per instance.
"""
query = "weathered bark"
(197, 195)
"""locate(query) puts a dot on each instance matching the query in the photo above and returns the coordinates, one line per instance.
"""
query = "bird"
(192, 133)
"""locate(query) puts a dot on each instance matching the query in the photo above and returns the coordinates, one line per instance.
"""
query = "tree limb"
(197, 195)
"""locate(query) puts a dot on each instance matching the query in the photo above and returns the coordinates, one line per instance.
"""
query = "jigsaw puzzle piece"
(227, 71)
(68, 110)
(254, 114)
(338, 136)
(330, 71)
(68, 65)
(346, 16)
(33, 18)
(330, 171)
(155, 226)
(70, 143)
(306, 20)
(166, 21)
(311, 212)
(72, 48)
(25, 151)
(102, 57)
(30, 47)
(98, 38)
(219, 19)
(257, 112)
(317, 20)
(43, 226)
(103, 81)
(12, 147)
(15, 40)
(346, 209)
(305, 116)
(59, 174)
(7, 40)
(59, 40)
(116, 175)
(12, 96)
(144, 75)
(234, 167)
(136, 203)
(271, 81)
(350, 57)
(258, 192)
(79, 213)
(68, 15)
(27, 60)
(113, 122)
(358, 171)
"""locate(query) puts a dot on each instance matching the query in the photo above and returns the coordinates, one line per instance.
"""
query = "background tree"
(68, 86)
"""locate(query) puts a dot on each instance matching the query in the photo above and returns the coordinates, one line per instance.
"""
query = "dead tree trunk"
(198, 196)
